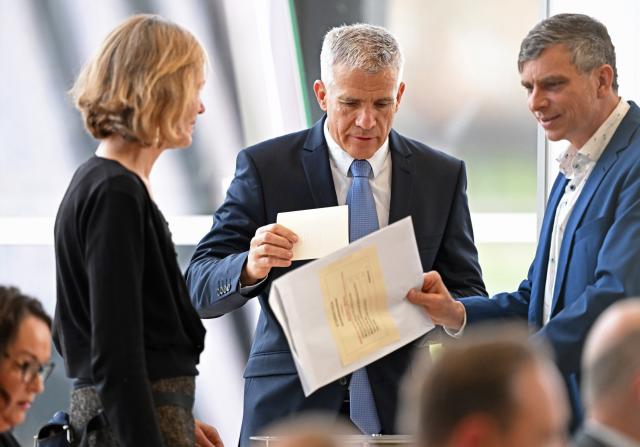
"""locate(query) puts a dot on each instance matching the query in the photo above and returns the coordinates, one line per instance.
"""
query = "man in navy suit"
(360, 91)
(588, 252)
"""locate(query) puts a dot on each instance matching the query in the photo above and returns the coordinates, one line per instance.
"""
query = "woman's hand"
(207, 436)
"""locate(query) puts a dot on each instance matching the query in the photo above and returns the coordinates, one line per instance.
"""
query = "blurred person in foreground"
(588, 251)
(492, 390)
(351, 156)
(25, 350)
(611, 379)
(124, 323)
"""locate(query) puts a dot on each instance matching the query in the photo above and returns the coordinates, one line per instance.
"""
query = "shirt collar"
(343, 160)
(609, 435)
(594, 147)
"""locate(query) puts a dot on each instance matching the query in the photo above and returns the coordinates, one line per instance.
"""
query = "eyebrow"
(546, 80)
(553, 78)
(351, 98)
(30, 354)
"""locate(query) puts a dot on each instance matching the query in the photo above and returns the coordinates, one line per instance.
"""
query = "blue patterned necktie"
(363, 220)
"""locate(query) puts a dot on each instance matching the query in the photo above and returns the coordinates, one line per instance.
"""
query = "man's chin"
(362, 151)
(554, 136)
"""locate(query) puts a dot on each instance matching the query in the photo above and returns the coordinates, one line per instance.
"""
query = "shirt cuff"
(461, 330)
(246, 291)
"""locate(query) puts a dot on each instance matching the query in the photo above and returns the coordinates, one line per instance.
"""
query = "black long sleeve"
(123, 316)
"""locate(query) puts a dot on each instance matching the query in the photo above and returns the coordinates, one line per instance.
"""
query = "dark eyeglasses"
(30, 369)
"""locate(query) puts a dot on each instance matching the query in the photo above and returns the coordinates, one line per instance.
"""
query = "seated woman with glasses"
(25, 349)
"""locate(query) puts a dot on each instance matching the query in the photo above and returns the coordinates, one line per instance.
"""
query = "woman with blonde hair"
(124, 322)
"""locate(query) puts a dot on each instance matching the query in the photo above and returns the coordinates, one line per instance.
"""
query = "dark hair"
(586, 38)
(469, 379)
(14, 307)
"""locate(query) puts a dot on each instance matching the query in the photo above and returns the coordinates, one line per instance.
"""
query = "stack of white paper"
(348, 309)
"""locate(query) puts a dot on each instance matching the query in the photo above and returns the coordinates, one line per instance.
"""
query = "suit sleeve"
(502, 305)
(457, 259)
(213, 276)
(616, 277)
(114, 255)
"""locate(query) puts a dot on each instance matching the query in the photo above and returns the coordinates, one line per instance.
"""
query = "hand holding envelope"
(306, 234)
(270, 247)
(320, 231)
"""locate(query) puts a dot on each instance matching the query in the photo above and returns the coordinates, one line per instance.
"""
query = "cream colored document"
(349, 308)
(320, 231)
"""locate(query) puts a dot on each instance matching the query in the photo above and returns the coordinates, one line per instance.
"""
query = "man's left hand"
(437, 302)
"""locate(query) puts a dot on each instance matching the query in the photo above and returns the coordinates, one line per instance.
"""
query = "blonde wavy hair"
(140, 81)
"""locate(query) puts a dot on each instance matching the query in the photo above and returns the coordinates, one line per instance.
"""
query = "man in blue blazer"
(588, 252)
(245, 250)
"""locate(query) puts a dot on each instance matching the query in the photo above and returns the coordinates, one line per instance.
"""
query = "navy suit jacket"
(290, 173)
(599, 257)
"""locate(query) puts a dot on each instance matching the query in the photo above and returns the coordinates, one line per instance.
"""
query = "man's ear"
(635, 389)
(321, 94)
(605, 79)
(399, 94)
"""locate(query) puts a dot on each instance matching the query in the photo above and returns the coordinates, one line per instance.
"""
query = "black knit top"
(123, 314)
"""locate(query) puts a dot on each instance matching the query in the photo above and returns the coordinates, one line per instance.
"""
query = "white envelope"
(320, 231)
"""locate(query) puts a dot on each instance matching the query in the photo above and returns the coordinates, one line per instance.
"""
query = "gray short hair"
(610, 373)
(586, 38)
(360, 46)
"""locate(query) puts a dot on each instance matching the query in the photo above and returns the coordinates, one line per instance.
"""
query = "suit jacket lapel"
(315, 162)
(619, 142)
(401, 178)
(542, 252)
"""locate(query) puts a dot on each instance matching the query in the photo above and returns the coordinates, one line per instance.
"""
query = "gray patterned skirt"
(176, 422)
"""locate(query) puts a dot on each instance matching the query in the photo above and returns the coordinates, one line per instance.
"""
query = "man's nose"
(537, 100)
(366, 118)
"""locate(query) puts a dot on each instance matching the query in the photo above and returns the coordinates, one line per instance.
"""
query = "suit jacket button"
(342, 381)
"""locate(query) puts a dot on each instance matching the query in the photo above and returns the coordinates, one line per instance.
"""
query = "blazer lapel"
(619, 142)
(541, 262)
(315, 162)
(401, 178)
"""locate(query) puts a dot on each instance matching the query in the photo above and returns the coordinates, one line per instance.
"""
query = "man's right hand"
(270, 247)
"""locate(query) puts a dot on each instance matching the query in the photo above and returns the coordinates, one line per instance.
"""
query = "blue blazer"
(598, 262)
(290, 173)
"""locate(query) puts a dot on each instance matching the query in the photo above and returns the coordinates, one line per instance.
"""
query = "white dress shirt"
(380, 162)
(576, 164)
(608, 435)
